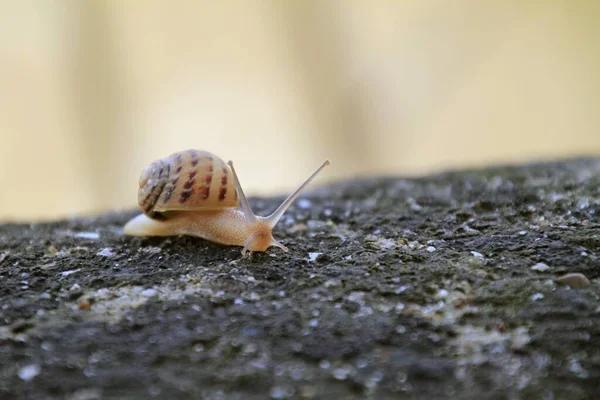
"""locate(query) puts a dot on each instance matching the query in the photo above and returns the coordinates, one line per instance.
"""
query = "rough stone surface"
(420, 288)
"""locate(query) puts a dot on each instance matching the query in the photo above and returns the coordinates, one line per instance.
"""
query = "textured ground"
(440, 287)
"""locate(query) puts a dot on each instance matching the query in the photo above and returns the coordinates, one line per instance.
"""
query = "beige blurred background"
(92, 91)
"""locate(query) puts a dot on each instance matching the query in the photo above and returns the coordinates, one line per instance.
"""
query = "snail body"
(195, 193)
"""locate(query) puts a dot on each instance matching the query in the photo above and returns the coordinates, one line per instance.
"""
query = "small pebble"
(304, 204)
(431, 249)
(105, 252)
(541, 267)
(578, 370)
(414, 245)
(537, 296)
(341, 373)
(29, 372)
(332, 283)
(313, 256)
(413, 204)
(150, 250)
(148, 292)
(88, 235)
(75, 288)
(477, 254)
(72, 271)
(277, 392)
(574, 280)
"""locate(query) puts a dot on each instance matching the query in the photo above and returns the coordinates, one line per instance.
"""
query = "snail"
(195, 193)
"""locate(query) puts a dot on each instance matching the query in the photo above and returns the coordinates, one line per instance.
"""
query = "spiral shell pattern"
(188, 180)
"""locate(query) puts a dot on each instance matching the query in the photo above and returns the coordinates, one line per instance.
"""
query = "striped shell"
(190, 180)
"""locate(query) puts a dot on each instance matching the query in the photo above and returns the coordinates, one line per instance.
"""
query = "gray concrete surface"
(441, 287)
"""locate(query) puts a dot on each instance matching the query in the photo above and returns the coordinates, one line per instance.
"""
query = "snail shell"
(191, 180)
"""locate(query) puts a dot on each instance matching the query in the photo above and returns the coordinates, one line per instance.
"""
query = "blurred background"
(92, 91)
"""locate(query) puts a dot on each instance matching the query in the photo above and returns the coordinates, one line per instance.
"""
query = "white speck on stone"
(70, 272)
(254, 296)
(401, 289)
(522, 233)
(105, 252)
(583, 203)
(556, 197)
(313, 256)
(541, 267)
(75, 288)
(577, 369)
(537, 296)
(304, 203)
(324, 364)
(379, 243)
(332, 283)
(148, 292)
(477, 254)
(386, 244)
(277, 392)
(519, 338)
(150, 250)
(413, 204)
(442, 293)
(29, 372)
(198, 347)
(238, 302)
(341, 373)
(313, 323)
(357, 297)
(315, 225)
(431, 249)
(414, 245)
(88, 235)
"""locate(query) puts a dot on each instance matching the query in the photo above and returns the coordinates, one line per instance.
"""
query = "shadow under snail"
(195, 193)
